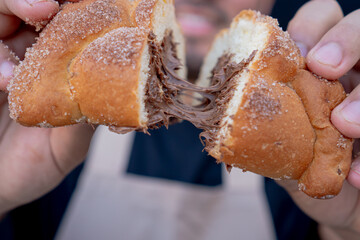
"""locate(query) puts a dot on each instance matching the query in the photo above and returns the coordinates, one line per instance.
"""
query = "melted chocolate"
(165, 89)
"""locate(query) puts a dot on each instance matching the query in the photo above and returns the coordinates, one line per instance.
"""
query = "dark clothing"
(289, 221)
(175, 154)
(284, 10)
(40, 219)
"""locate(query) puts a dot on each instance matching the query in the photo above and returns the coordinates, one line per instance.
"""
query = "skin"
(40, 160)
(339, 217)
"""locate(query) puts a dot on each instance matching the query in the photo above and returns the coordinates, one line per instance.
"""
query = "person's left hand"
(331, 44)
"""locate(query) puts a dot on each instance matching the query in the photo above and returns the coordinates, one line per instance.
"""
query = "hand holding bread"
(119, 63)
(337, 217)
(32, 161)
(272, 115)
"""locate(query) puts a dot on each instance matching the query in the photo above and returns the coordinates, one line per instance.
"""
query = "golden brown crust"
(271, 133)
(99, 93)
(39, 92)
(332, 151)
(58, 82)
(86, 67)
(282, 128)
(281, 58)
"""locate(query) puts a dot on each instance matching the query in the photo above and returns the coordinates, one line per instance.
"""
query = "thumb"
(29, 10)
(338, 50)
(346, 116)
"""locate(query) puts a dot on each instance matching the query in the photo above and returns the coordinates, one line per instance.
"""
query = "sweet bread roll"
(91, 64)
(120, 63)
(277, 123)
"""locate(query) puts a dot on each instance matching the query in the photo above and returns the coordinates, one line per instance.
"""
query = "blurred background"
(112, 204)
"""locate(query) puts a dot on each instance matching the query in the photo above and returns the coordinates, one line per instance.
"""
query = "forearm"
(329, 233)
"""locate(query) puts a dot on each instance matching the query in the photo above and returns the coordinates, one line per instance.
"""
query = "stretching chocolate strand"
(164, 90)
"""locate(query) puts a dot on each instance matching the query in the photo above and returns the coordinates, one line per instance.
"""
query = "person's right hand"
(330, 43)
(32, 160)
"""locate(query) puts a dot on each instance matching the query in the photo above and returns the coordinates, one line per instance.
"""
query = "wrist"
(334, 233)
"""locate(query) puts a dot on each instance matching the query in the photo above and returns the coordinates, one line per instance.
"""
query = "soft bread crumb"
(243, 37)
(162, 18)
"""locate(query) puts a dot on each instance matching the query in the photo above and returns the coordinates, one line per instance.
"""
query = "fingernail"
(303, 48)
(351, 112)
(329, 54)
(6, 69)
(32, 2)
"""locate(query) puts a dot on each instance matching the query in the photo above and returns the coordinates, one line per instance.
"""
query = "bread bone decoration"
(121, 63)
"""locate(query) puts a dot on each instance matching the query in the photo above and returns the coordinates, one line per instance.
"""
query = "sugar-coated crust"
(61, 80)
(101, 96)
(282, 128)
(271, 133)
(281, 58)
(332, 150)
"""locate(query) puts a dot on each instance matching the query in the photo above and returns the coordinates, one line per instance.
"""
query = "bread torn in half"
(91, 64)
(277, 122)
(120, 63)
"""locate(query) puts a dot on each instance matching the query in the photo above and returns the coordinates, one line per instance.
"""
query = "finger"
(346, 116)
(29, 10)
(321, 16)
(8, 25)
(7, 64)
(338, 50)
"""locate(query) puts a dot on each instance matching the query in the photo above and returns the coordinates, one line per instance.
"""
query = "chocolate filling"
(165, 90)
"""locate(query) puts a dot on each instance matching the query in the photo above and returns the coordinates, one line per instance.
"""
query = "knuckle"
(335, 8)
